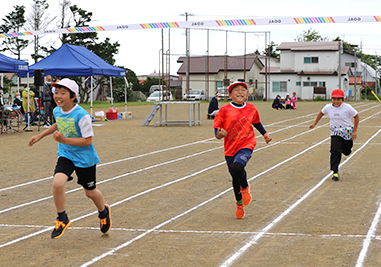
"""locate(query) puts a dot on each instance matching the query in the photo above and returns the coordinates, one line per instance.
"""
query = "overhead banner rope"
(204, 24)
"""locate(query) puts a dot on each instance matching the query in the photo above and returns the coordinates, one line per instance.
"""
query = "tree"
(146, 85)
(37, 21)
(310, 36)
(77, 17)
(14, 22)
(271, 50)
(105, 50)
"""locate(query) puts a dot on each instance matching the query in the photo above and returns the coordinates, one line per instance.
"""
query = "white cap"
(67, 83)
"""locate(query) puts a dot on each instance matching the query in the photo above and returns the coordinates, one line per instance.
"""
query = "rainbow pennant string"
(236, 22)
(377, 18)
(85, 29)
(160, 25)
(4, 35)
(314, 20)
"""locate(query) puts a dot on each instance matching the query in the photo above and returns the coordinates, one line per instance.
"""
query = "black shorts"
(86, 176)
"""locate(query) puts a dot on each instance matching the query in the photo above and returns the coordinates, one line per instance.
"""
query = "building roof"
(309, 46)
(352, 80)
(197, 65)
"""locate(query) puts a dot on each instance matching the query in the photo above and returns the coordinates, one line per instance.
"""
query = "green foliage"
(319, 98)
(271, 50)
(14, 22)
(310, 36)
(146, 85)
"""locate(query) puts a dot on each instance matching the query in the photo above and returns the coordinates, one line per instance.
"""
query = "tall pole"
(339, 69)
(187, 38)
(355, 76)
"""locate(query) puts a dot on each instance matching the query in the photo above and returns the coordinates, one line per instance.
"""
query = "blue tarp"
(72, 60)
(8, 64)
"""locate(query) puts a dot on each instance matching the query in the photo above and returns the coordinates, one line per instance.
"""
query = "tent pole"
(112, 98)
(91, 96)
(125, 94)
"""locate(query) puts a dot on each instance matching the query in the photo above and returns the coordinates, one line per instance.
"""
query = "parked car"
(158, 96)
(223, 91)
(194, 95)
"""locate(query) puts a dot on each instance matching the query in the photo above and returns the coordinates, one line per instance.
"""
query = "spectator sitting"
(276, 101)
(17, 102)
(282, 104)
(213, 106)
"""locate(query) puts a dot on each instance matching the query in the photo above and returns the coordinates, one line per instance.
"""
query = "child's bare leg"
(59, 195)
(96, 196)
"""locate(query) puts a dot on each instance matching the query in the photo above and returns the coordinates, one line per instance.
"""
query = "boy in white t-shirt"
(343, 131)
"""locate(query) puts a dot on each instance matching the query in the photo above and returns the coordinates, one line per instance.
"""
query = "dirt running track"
(172, 203)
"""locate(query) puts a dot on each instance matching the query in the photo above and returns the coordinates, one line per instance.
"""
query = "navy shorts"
(242, 156)
(86, 176)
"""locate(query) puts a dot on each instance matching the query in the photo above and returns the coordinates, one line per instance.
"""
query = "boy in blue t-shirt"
(73, 132)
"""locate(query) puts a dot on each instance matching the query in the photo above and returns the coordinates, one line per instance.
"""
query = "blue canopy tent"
(71, 60)
(10, 65)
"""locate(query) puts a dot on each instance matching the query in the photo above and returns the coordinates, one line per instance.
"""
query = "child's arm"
(319, 116)
(263, 132)
(355, 126)
(38, 137)
(80, 141)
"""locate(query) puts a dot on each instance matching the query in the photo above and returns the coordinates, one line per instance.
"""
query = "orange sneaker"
(240, 212)
(246, 196)
(60, 228)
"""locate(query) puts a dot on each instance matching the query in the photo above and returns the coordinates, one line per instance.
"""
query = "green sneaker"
(335, 176)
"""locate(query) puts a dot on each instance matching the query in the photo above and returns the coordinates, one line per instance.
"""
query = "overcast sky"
(139, 50)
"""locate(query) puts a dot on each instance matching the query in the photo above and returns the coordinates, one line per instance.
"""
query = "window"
(350, 64)
(311, 83)
(279, 86)
(308, 60)
(298, 84)
(322, 84)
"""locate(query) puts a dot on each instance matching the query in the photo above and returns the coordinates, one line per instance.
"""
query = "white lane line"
(113, 178)
(211, 232)
(113, 162)
(254, 240)
(368, 239)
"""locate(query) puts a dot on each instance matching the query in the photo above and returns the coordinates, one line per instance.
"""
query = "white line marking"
(368, 238)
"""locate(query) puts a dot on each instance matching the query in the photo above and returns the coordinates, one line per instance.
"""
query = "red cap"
(294, 93)
(235, 84)
(338, 93)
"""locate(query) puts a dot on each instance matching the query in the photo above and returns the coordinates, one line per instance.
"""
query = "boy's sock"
(102, 214)
(62, 216)
(239, 202)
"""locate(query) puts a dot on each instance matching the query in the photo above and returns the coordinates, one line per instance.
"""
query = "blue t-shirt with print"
(67, 124)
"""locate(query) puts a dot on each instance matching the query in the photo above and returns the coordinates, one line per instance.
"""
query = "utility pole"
(340, 66)
(187, 51)
(355, 67)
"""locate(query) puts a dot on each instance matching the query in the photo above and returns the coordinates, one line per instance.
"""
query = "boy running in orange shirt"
(234, 122)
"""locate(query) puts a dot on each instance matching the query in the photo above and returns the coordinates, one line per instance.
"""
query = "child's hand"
(312, 125)
(34, 140)
(58, 136)
(221, 133)
(354, 136)
(267, 137)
